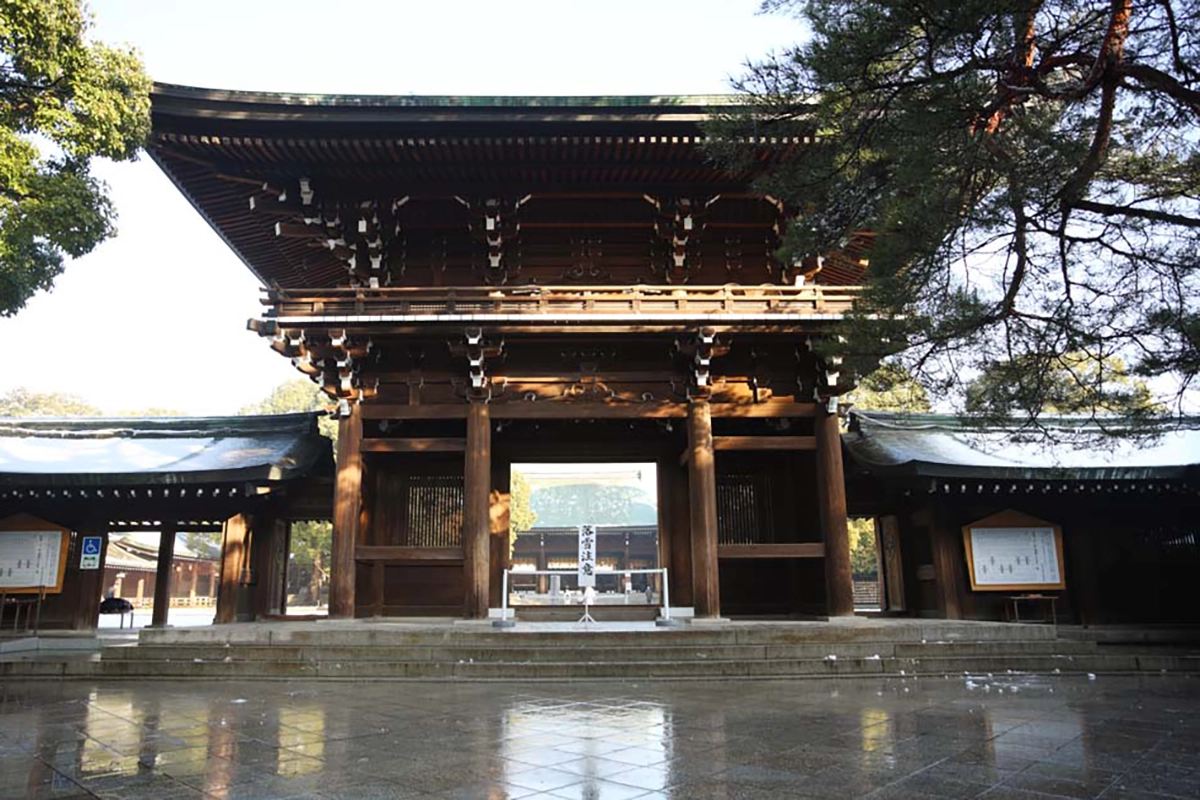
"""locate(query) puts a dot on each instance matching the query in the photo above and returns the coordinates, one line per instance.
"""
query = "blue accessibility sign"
(91, 545)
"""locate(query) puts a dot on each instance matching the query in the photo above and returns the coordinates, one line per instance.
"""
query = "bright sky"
(157, 315)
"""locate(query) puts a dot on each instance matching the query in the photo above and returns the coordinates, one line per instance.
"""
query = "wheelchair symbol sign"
(90, 556)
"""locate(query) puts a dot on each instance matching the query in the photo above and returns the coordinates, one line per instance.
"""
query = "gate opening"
(309, 557)
(549, 503)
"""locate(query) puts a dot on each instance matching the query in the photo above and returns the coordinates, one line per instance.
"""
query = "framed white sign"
(1004, 555)
(32, 560)
(587, 556)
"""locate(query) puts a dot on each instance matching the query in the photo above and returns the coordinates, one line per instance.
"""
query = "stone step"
(482, 635)
(586, 651)
(936, 668)
(573, 613)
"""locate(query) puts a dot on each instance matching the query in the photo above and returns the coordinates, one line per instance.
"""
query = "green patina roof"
(1058, 448)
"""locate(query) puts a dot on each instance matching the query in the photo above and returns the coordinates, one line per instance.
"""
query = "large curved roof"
(222, 148)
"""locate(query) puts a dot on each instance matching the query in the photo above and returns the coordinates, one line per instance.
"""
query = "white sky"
(157, 315)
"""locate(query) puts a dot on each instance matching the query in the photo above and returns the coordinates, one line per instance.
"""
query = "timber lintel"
(802, 550)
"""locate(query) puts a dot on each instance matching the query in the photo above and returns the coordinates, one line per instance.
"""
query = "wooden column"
(543, 581)
(477, 479)
(949, 559)
(702, 490)
(831, 506)
(347, 507)
(499, 516)
(86, 613)
(234, 540)
(163, 575)
(269, 563)
(892, 574)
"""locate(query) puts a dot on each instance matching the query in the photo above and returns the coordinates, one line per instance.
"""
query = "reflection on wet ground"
(1001, 737)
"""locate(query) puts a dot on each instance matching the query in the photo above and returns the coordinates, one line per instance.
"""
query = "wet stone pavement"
(1002, 737)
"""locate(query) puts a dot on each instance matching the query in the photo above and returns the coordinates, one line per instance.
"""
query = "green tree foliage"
(295, 396)
(863, 560)
(1030, 170)
(311, 541)
(1069, 384)
(21, 402)
(308, 569)
(891, 388)
(521, 516)
(588, 503)
(64, 100)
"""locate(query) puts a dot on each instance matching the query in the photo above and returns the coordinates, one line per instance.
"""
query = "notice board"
(1011, 551)
(33, 555)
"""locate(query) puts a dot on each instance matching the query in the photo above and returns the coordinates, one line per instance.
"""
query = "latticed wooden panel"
(745, 511)
(435, 511)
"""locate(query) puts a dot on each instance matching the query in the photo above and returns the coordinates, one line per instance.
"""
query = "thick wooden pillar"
(86, 613)
(477, 489)
(702, 490)
(499, 516)
(831, 505)
(347, 508)
(234, 558)
(163, 575)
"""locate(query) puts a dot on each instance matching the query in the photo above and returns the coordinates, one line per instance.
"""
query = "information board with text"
(1015, 558)
(31, 560)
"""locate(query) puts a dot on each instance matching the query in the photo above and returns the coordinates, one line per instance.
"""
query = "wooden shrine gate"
(476, 280)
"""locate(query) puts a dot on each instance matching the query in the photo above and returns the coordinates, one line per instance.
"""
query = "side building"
(77, 491)
(963, 512)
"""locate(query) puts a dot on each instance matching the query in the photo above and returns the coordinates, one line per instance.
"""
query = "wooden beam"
(163, 575)
(477, 487)
(392, 553)
(702, 490)
(347, 508)
(393, 411)
(798, 550)
(831, 506)
(764, 443)
(414, 445)
(588, 410)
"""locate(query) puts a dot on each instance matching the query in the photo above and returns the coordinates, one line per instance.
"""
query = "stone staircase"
(383, 651)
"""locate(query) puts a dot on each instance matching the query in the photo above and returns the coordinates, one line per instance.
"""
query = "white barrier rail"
(665, 611)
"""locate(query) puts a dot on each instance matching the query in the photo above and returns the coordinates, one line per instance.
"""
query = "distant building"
(131, 563)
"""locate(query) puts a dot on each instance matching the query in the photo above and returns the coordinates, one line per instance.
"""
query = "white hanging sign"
(587, 555)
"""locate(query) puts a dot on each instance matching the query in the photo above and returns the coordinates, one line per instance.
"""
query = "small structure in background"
(132, 561)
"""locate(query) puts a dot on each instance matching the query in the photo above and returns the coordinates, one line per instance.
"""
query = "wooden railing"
(649, 301)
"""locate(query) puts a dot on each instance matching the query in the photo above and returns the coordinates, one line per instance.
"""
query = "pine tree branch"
(1164, 82)
(1108, 209)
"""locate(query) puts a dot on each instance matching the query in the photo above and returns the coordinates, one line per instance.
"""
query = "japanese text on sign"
(587, 555)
